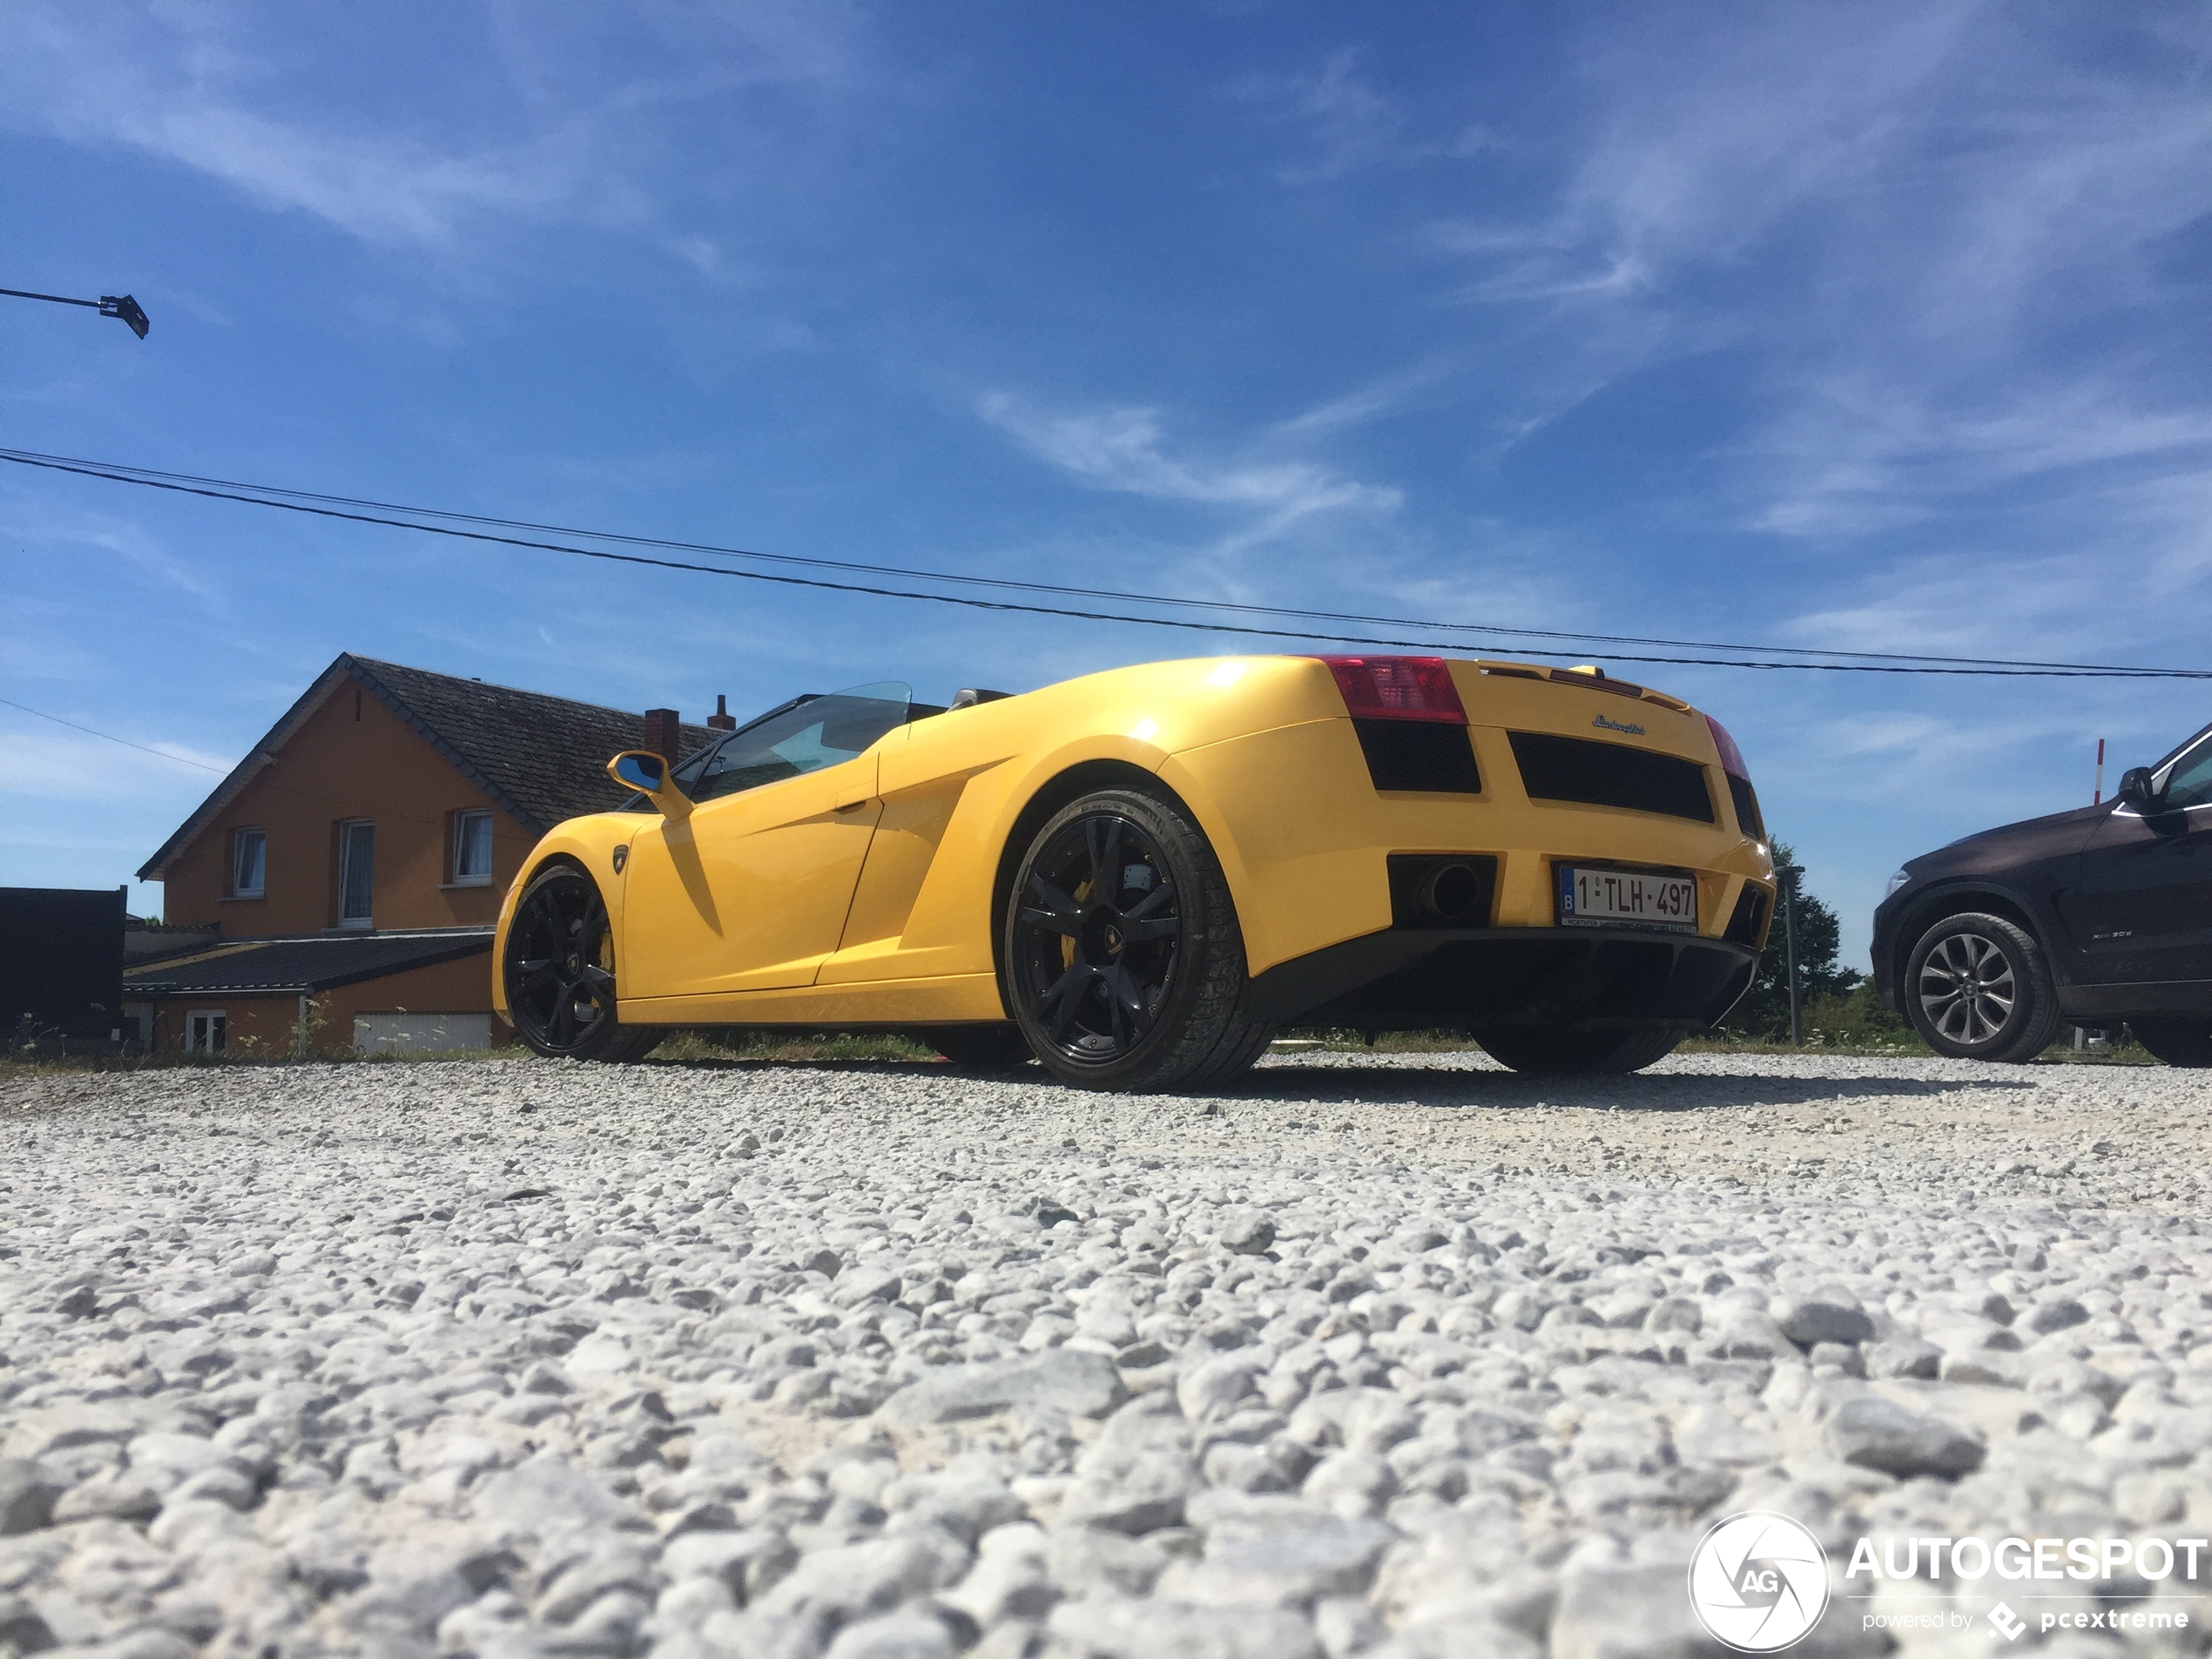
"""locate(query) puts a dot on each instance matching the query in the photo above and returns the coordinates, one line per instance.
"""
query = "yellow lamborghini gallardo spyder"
(1137, 877)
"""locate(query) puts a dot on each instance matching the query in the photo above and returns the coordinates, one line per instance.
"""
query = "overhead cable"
(349, 509)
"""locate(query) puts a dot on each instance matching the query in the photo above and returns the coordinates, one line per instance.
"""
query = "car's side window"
(2190, 782)
(821, 732)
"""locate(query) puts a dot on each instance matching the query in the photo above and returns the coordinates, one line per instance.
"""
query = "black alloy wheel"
(560, 972)
(1977, 988)
(1562, 1048)
(2179, 1041)
(1124, 966)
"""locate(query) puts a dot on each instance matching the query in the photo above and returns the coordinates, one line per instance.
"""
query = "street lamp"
(1787, 874)
(120, 306)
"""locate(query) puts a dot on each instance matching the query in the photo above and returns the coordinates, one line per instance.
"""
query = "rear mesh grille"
(1748, 925)
(1747, 807)
(1610, 774)
(1427, 755)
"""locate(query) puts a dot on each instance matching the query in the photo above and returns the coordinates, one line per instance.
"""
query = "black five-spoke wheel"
(1099, 933)
(1124, 963)
(560, 973)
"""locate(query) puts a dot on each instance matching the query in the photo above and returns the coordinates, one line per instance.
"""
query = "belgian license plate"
(1625, 897)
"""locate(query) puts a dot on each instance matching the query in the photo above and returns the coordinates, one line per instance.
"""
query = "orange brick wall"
(352, 758)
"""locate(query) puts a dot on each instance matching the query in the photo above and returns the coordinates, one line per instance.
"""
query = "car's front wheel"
(1560, 1048)
(1977, 988)
(1124, 964)
(560, 972)
(2177, 1042)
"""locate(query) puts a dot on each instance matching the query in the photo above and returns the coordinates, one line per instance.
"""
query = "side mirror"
(641, 770)
(2135, 790)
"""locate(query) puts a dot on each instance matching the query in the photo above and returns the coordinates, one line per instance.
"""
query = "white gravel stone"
(1402, 1357)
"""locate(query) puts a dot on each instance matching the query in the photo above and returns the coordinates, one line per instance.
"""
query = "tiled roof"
(318, 962)
(545, 758)
(541, 757)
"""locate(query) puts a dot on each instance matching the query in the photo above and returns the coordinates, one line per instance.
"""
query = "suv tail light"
(1398, 688)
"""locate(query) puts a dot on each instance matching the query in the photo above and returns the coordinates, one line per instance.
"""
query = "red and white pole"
(2097, 798)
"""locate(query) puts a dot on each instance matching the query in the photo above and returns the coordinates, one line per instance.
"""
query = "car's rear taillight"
(1748, 816)
(1398, 688)
(1731, 757)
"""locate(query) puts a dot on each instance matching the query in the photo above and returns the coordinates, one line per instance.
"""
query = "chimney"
(665, 734)
(721, 720)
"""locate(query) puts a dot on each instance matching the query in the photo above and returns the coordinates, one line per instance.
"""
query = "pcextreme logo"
(1758, 1582)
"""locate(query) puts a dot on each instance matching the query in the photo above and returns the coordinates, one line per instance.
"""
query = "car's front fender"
(590, 843)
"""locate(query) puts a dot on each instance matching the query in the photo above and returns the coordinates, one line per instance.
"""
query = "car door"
(2142, 906)
(749, 890)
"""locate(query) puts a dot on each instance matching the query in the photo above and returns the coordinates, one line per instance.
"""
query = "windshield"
(815, 733)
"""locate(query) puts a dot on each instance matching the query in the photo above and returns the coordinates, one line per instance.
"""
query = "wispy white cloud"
(189, 88)
(1859, 454)
(1122, 449)
(30, 521)
(1386, 396)
(1345, 120)
(40, 760)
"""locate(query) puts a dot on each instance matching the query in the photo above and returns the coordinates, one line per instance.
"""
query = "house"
(352, 865)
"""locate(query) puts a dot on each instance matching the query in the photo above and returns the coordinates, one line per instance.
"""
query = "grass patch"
(783, 1049)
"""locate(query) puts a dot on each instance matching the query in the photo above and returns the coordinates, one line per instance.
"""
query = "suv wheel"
(2179, 1042)
(1977, 988)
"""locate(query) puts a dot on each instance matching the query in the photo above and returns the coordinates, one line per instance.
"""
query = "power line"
(120, 472)
(316, 506)
(222, 772)
(110, 738)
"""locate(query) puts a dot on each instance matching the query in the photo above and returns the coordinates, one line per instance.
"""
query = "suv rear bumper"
(1416, 979)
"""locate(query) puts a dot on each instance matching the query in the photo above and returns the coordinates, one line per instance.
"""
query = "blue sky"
(1846, 327)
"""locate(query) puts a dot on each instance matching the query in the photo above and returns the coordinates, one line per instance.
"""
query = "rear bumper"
(1464, 979)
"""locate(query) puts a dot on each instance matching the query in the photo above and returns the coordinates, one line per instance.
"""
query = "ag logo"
(1758, 1582)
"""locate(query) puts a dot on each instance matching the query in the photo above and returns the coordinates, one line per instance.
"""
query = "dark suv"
(2096, 917)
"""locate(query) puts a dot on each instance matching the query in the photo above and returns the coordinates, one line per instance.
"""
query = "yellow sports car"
(1139, 876)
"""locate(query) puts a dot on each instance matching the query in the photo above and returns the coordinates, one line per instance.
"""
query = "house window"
(249, 860)
(472, 849)
(203, 1031)
(356, 871)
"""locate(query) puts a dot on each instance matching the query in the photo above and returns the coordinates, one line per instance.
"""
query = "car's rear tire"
(1977, 987)
(1562, 1048)
(2183, 1041)
(979, 1047)
(1125, 965)
(559, 973)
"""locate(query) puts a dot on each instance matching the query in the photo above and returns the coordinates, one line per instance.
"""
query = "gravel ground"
(1399, 1356)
